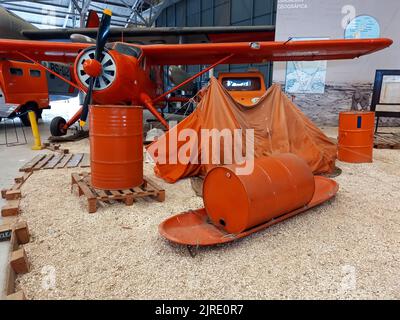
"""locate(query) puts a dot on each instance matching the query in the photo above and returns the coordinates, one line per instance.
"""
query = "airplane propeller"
(93, 67)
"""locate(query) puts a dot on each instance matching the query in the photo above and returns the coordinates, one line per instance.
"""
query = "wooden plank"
(73, 163)
(115, 193)
(13, 194)
(17, 296)
(85, 163)
(10, 274)
(52, 146)
(19, 261)
(153, 184)
(29, 165)
(18, 179)
(17, 186)
(21, 231)
(159, 194)
(129, 199)
(160, 197)
(92, 205)
(75, 178)
(21, 180)
(387, 141)
(138, 191)
(43, 162)
(151, 191)
(86, 190)
(64, 161)
(102, 194)
(53, 162)
(11, 208)
(127, 192)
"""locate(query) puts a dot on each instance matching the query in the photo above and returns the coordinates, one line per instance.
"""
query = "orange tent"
(279, 127)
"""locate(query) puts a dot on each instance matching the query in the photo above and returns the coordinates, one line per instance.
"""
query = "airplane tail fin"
(93, 20)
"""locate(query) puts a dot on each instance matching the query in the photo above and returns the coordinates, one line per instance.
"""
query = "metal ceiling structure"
(72, 13)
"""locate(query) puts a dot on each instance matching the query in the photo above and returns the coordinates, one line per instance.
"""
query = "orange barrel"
(116, 146)
(278, 184)
(356, 136)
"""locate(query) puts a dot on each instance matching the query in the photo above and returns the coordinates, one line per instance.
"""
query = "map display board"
(386, 94)
(363, 27)
(306, 76)
(390, 92)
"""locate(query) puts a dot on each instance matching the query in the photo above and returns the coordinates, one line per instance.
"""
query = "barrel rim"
(350, 113)
(115, 106)
(242, 186)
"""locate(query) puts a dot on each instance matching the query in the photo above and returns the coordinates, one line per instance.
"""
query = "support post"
(35, 131)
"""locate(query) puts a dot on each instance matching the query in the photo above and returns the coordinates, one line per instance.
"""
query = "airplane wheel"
(24, 117)
(39, 113)
(56, 127)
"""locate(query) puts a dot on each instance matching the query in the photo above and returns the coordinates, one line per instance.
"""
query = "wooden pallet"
(56, 161)
(387, 141)
(129, 196)
(54, 147)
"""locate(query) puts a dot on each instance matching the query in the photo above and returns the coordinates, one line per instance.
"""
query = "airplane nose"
(92, 67)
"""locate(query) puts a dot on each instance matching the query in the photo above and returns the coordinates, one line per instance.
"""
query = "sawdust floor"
(347, 248)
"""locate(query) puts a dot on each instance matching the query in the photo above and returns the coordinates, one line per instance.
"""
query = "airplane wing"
(41, 50)
(167, 35)
(207, 53)
(260, 52)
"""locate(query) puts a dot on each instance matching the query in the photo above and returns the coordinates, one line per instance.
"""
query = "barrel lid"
(225, 199)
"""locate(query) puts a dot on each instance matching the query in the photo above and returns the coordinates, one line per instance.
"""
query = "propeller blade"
(86, 103)
(102, 37)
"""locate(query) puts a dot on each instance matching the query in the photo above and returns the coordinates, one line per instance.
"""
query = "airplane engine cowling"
(116, 83)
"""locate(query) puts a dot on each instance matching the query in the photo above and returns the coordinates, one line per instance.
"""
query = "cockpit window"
(16, 71)
(128, 50)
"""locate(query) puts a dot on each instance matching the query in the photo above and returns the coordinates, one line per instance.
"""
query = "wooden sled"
(193, 228)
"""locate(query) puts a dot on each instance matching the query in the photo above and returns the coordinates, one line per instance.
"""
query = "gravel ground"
(347, 248)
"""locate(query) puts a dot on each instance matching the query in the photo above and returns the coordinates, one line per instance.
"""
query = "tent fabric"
(279, 127)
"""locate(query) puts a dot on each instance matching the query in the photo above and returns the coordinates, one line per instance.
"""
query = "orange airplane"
(130, 74)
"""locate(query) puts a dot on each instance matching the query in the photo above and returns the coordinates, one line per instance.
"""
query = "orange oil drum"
(278, 184)
(116, 146)
(356, 136)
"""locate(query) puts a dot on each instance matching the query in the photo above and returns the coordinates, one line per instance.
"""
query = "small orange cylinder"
(356, 136)
(116, 146)
(278, 184)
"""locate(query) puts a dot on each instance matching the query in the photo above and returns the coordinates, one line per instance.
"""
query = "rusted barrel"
(356, 136)
(116, 146)
(278, 184)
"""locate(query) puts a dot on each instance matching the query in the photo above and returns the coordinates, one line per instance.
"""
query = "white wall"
(324, 18)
